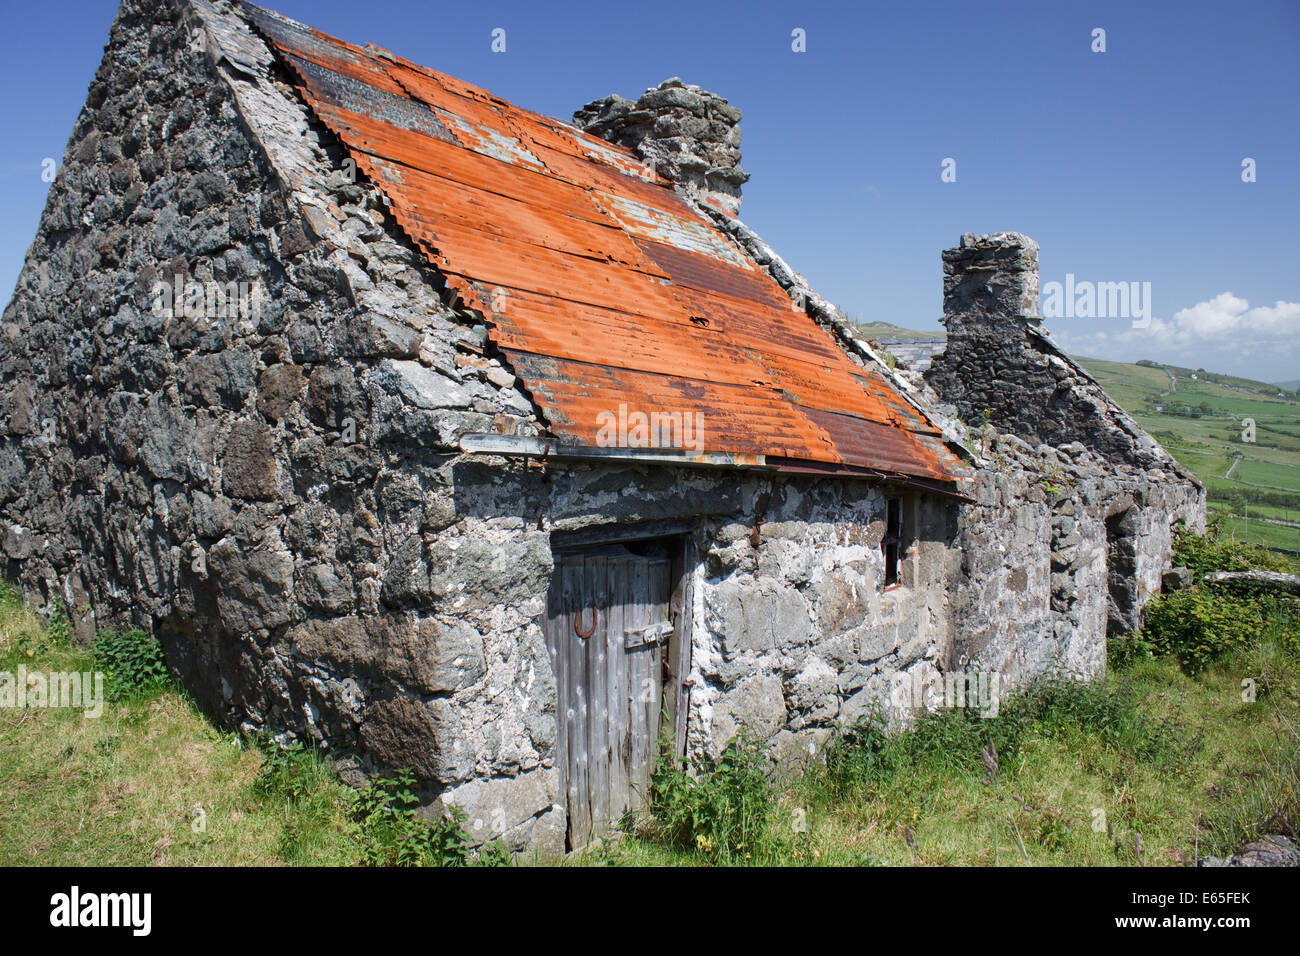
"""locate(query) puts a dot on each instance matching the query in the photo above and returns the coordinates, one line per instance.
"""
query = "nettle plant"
(1200, 625)
(133, 663)
(1207, 622)
(59, 627)
(391, 833)
(723, 810)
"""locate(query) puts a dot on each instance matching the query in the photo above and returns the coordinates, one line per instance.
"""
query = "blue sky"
(1125, 166)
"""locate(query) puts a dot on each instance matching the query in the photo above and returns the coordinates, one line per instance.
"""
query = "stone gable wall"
(1001, 366)
(1076, 505)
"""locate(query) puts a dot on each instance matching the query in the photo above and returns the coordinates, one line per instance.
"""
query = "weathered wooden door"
(608, 629)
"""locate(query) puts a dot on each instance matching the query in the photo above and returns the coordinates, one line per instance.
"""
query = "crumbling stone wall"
(1001, 366)
(689, 135)
(800, 634)
(1076, 505)
(1038, 584)
(239, 485)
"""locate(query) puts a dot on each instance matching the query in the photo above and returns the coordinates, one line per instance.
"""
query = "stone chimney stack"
(1001, 366)
(990, 300)
(994, 276)
(689, 135)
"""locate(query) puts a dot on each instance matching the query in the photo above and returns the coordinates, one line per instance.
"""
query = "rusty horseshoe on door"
(577, 626)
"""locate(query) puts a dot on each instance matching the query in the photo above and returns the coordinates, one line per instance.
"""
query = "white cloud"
(1227, 316)
(1223, 334)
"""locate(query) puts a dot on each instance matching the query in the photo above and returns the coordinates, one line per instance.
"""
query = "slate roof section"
(602, 287)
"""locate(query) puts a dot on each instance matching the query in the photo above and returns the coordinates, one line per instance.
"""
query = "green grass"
(1127, 384)
(1149, 765)
(1268, 473)
(1258, 510)
(1083, 771)
(1262, 533)
(149, 782)
(886, 332)
(1201, 463)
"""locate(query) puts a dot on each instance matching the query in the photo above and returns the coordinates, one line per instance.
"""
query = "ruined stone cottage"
(459, 438)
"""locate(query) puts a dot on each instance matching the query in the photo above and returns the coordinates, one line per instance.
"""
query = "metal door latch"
(646, 636)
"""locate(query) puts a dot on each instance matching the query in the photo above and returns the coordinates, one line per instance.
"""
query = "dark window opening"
(1121, 570)
(892, 542)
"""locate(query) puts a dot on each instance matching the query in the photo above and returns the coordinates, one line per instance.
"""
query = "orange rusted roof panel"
(610, 295)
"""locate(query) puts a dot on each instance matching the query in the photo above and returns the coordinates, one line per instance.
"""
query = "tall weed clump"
(1207, 623)
(723, 811)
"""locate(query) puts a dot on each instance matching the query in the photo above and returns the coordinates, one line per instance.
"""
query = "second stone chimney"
(689, 135)
(1001, 367)
(988, 368)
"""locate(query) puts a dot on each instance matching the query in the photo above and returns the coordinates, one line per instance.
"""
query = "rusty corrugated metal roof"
(602, 287)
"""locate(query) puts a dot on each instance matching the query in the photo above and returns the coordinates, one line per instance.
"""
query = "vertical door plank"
(638, 675)
(570, 578)
(580, 810)
(616, 687)
(659, 595)
(669, 651)
(681, 662)
(597, 698)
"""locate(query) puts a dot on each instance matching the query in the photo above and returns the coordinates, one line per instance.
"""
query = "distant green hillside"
(1291, 386)
(888, 332)
(1198, 415)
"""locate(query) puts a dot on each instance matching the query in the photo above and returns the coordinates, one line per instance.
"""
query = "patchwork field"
(1199, 416)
